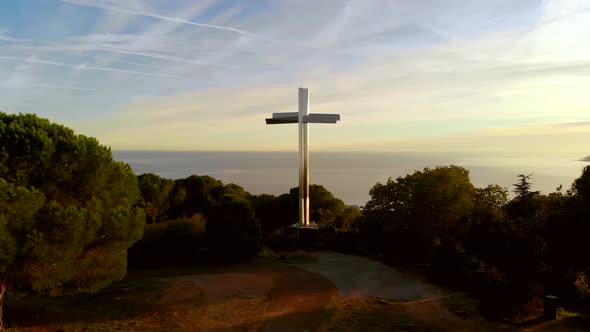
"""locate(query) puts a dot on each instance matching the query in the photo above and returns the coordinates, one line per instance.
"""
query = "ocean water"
(348, 175)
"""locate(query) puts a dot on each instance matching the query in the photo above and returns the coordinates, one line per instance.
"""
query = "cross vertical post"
(303, 118)
(303, 158)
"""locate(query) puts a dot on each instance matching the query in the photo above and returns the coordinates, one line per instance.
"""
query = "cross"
(303, 118)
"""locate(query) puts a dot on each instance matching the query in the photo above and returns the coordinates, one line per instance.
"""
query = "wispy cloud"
(84, 66)
(403, 74)
(12, 39)
(107, 6)
(119, 44)
(64, 87)
(124, 71)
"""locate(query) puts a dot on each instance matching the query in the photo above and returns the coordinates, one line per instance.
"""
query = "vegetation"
(66, 209)
(509, 253)
(69, 214)
(194, 220)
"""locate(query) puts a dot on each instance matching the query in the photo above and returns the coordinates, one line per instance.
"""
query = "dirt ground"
(321, 291)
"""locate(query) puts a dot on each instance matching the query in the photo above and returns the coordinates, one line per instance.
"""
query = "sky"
(502, 76)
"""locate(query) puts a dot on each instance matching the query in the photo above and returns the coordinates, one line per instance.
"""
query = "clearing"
(322, 291)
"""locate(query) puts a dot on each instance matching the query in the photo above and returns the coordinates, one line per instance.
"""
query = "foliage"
(581, 186)
(347, 220)
(415, 214)
(274, 212)
(69, 212)
(155, 192)
(232, 229)
(195, 194)
(324, 207)
(201, 220)
(522, 188)
(173, 242)
(66, 208)
(477, 239)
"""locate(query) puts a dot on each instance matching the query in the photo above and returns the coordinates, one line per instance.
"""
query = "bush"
(233, 232)
(175, 242)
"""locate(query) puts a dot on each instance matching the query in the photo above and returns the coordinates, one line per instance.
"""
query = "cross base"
(308, 236)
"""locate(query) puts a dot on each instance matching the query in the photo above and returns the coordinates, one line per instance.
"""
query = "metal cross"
(303, 117)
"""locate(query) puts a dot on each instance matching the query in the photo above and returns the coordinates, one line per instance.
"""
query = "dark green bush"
(174, 242)
(233, 232)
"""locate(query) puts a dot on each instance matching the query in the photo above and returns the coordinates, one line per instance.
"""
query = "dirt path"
(336, 292)
(377, 297)
(358, 277)
(297, 302)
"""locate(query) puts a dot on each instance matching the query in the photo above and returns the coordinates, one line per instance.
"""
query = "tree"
(66, 209)
(155, 192)
(236, 191)
(232, 229)
(526, 203)
(324, 207)
(347, 219)
(418, 212)
(195, 194)
(274, 212)
(581, 186)
(522, 188)
(492, 197)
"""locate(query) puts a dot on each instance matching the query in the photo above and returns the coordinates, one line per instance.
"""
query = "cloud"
(404, 75)
(574, 124)
(12, 39)
(52, 86)
(109, 6)
(124, 71)
(86, 67)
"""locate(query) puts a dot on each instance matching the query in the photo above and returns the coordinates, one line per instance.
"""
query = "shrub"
(175, 242)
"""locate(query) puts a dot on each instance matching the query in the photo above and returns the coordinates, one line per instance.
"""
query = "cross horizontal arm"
(321, 118)
(282, 120)
(292, 117)
(285, 115)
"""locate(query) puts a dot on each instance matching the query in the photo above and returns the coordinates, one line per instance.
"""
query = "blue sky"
(443, 75)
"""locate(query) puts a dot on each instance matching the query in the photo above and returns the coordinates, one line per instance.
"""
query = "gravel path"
(362, 277)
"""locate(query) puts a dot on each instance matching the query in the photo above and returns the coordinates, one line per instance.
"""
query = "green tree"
(196, 194)
(66, 208)
(274, 212)
(527, 202)
(232, 229)
(155, 192)
(347, 219)
(417, 213)
(522, 188)
(581, 187)
(492, 197)
(324, 207)
(237, 191)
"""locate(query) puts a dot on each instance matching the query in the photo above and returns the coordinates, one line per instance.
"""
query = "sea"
(348, 175)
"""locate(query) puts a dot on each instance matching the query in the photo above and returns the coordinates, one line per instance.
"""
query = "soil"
(321, 291)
